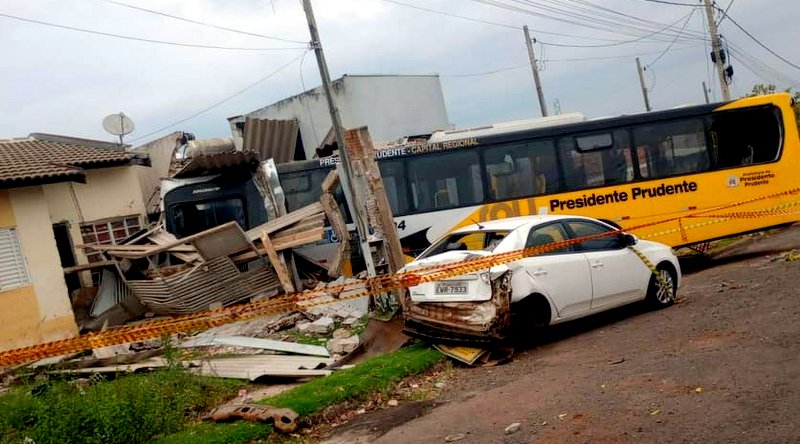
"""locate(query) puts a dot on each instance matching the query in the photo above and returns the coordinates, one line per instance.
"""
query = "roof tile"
(26, 161)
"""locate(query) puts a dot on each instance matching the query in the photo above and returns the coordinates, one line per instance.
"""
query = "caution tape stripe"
(375, 285)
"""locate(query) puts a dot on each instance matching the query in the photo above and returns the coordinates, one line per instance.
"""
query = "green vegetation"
(218, 433)
(377, 374)
(129, 409)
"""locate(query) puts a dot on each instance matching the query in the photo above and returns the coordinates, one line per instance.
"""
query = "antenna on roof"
(118, 125)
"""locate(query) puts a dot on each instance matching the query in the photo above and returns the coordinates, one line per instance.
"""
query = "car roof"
(512, 223)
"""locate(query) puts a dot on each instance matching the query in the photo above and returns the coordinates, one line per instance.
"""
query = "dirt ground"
(721, 366)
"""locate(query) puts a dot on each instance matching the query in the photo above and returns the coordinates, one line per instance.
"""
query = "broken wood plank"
(264, 344)
(89, 266)
(330, 182)
(277, 265)
(284, 221)
(284, 243)
(339, 227)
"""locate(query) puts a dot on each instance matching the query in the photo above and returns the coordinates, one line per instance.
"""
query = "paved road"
(722, 366)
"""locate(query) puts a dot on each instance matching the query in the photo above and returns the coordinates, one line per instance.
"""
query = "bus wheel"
(662, 295)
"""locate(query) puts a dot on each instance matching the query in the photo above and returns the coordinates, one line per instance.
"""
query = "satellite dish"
(118, 125)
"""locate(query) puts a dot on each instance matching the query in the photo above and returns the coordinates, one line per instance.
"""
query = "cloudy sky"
(63, 81)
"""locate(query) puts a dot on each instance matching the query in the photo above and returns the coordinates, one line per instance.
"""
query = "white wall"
(391, 106)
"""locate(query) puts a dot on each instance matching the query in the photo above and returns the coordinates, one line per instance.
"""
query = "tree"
(761, 89)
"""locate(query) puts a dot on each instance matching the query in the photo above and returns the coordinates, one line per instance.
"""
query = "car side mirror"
(630, 239)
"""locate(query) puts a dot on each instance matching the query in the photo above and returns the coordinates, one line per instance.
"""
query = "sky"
(62, 81)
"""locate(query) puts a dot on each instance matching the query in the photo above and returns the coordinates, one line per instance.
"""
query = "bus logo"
(733, 181)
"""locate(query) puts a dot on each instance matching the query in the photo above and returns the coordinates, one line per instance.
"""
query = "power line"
(670, 3)
(604, 45)
(220, 102)
(449, 14)
(759, 41)
(725, 12)
(141, 39)
(196, 22)
(486, 73)
(666, 50)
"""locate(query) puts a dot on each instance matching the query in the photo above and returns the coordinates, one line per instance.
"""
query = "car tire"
(657, 296)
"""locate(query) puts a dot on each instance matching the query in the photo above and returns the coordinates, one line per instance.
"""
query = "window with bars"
(108, 232)
(13, 271)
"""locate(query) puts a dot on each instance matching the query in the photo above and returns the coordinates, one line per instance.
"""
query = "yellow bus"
(674, 176)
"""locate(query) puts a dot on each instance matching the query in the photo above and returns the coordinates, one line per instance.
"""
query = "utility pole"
(705, 91)
(344, 162)
(535, 68)
(715, 46)
(641, 83)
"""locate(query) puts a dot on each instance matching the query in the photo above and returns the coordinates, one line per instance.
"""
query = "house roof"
(31, 161)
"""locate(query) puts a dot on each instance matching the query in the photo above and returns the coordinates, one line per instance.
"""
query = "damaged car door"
(563, 275)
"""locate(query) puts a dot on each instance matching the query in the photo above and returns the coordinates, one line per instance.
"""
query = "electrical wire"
(741, 28)
(666, 50)
(141, 39)
(224, 100)
(196, 22)
(670, 3)
(725, 12)
(449, 14)
(305, 98)
(485, 73)
(605, 45)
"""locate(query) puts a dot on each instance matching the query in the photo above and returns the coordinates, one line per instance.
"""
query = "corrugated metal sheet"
(215, 163)
(265, 344)
(217, 281)
(112, 291)
(274, 139)
(256, 366)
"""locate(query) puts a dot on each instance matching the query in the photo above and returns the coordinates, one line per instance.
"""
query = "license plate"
(451, 288)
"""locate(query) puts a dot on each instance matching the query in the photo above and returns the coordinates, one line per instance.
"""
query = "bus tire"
(657, 295)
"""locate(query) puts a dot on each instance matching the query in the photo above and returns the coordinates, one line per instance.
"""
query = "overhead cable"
(666, 50)
(197, 22)
(142, 39)
(759, 41)
(220, 102)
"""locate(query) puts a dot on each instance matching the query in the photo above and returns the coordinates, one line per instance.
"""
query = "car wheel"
(658, 294)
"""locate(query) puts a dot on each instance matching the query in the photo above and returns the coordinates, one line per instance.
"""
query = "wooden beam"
(284, 221)
(281, 243)
(336, 220)
(330, 182)
(89, 266)
(280, 269)
(359, 145)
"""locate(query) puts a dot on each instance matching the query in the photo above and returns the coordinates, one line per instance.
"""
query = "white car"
(550, 288)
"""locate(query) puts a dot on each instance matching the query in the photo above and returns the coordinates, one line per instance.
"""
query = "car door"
(562, 274)
(618, 275)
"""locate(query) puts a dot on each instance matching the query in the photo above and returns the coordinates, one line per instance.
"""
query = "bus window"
(667, 149)
(445, 181)
(596, 159)
(302, 188)
(745, 137)
(393, 174)
(521, 169)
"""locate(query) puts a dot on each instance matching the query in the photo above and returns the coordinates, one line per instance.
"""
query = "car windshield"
(466, 241)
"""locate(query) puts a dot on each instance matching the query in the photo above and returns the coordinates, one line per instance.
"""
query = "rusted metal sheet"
(215, 163)
(217, 281)
(463, 322)
(274, 139)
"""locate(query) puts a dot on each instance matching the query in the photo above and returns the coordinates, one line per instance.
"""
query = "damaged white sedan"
(559, 285)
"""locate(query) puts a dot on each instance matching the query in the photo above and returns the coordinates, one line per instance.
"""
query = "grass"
(129, 409)
(376, 374)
